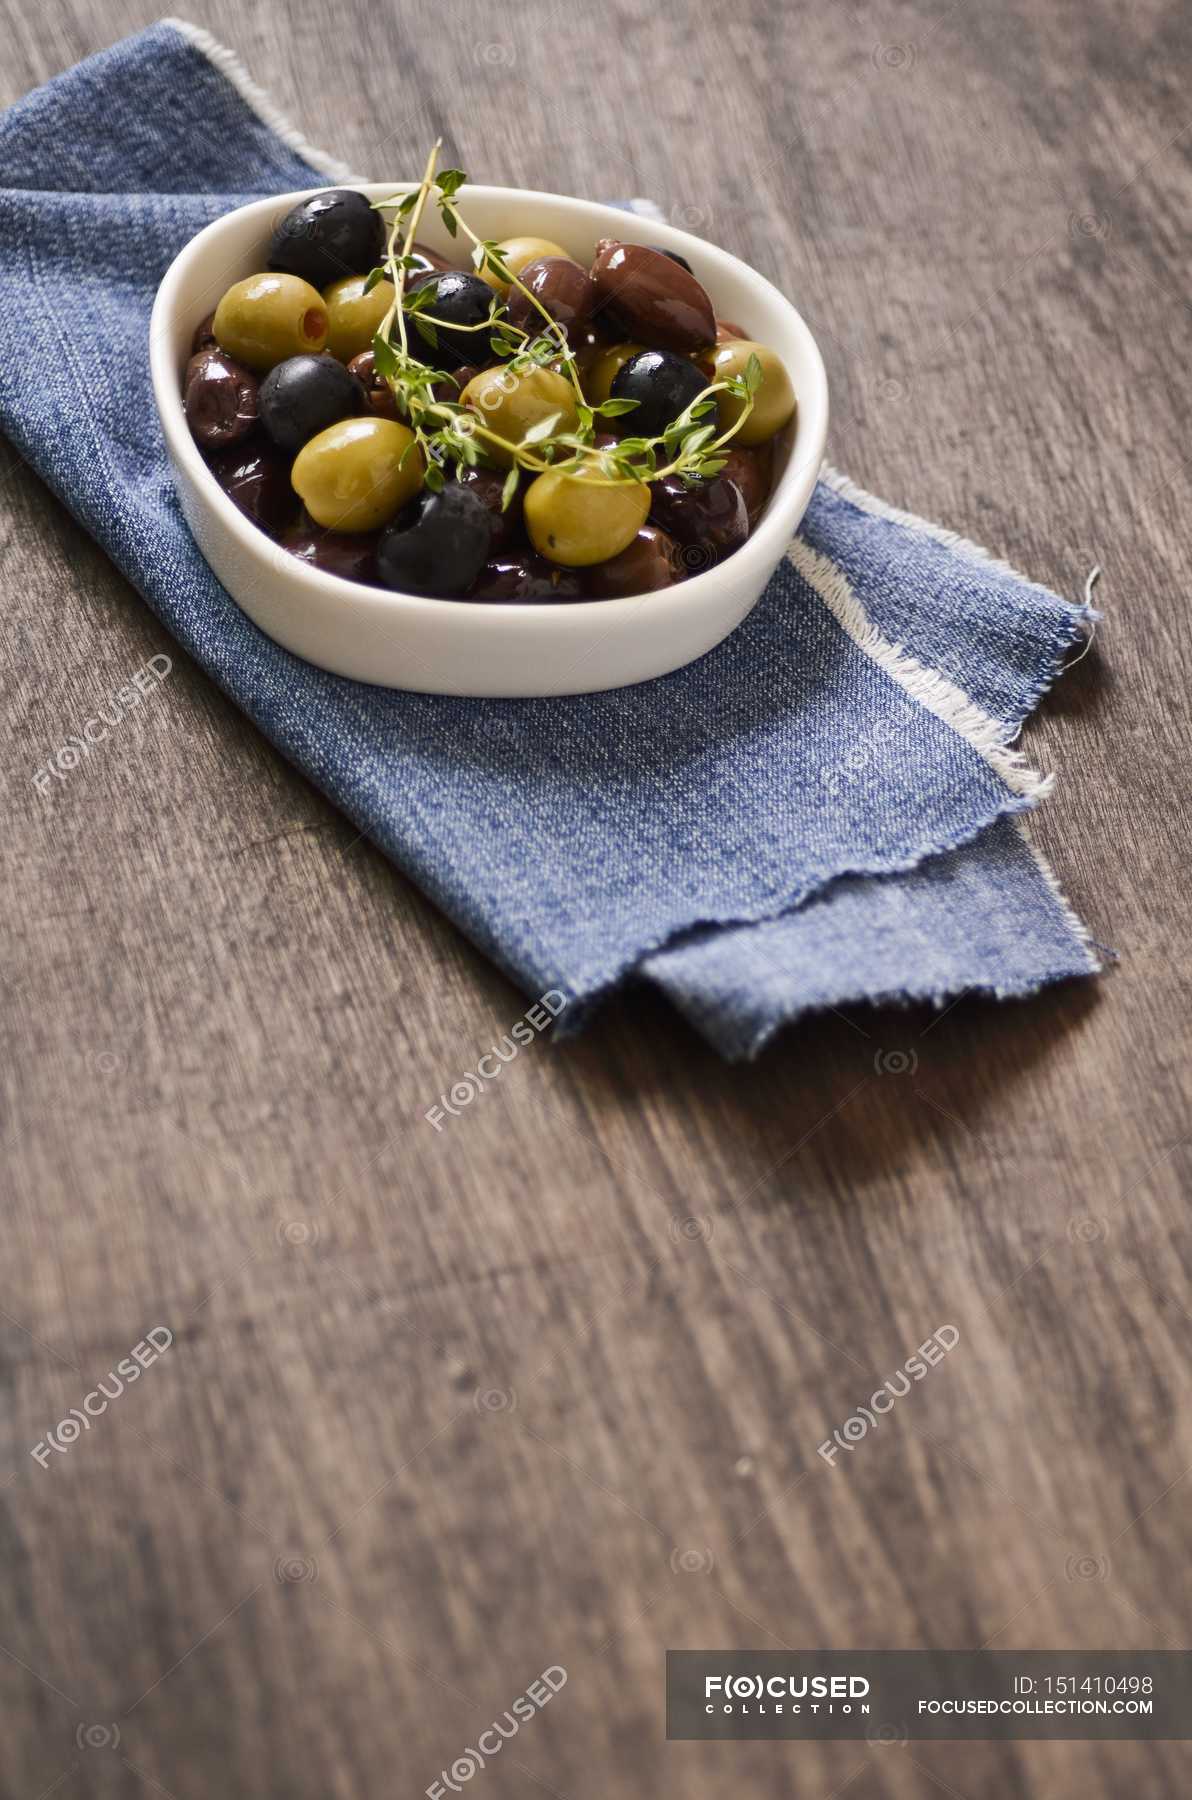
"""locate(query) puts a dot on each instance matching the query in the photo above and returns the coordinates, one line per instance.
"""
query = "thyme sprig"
(448, 433)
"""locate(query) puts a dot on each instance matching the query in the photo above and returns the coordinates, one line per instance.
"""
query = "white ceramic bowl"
(468, 647)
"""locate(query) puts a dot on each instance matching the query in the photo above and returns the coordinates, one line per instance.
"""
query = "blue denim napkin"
(821, 810)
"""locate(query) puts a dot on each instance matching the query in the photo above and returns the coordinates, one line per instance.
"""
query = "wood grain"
(443, 1410)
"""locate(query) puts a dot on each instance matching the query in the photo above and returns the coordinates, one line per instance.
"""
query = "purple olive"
(257, 477)
(450, 387)
(523, 578)
(559, 285)
(652, 561)
(204, 335)
(378, 395)
(657, 302)
(709, 520)
(488, 485)
(352, 554)
(750, 469)
(219, 398)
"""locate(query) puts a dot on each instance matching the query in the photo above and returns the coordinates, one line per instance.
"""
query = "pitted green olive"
(264, 319)
(774, 401)
(354, 317)
(356, 475)
(582, 516)
(510, 403)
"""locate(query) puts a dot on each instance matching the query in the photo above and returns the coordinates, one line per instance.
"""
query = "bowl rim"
(766, 545)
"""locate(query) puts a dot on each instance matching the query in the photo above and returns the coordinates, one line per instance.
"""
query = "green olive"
(515, 253)
(354, 317)
(604, 369)
(509, 404)
(774, 401)
(355, 475)
(266, 318)
(575, 520)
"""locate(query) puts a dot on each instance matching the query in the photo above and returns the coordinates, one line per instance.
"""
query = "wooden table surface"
(546, 1388)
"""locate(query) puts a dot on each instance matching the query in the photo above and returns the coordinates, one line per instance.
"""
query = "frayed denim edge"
(748, 1046)
(584, 1001)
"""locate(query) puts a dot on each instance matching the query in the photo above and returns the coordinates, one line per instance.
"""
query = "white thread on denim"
(932, 690)
(230, 66)
(1093, 616)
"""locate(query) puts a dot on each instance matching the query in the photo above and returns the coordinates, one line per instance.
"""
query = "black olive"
(416, 278)
(457, 299)
(664, 385)
(333, 234)
(303, 395)
(437, 545)
(675, 257)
